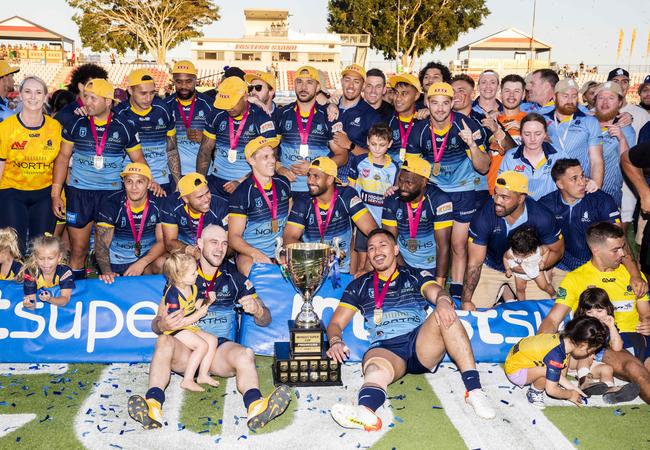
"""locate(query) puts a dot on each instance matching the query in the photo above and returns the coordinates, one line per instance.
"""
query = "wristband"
(446, 297)
(335, 340)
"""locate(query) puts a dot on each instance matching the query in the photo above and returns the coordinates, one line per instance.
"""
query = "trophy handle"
(280, 252)
(338, 253)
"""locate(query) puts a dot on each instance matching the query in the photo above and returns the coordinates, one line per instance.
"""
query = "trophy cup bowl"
(307, 267)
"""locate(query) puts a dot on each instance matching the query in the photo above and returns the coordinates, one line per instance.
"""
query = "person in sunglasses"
(261, 92)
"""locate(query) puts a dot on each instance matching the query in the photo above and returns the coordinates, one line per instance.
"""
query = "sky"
(578, 30)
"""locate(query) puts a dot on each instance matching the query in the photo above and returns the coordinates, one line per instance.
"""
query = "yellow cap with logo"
(137, 169)
(140, 76)
(184, 66)
(327, 166)
(415, 164)
(101, 88)
(308, 72)
(440, 89)
(229, 92)
(258, 143)
(354, 68)
(513, 181)
(190, 183)
(6, 69)
(407, 78)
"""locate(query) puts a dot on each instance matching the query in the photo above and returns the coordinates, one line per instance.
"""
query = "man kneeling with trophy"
(393, 301)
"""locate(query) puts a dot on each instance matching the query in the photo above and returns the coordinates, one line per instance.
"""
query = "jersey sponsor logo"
(585, 217)
(444, 208)
(34, 135)
(354, 202)
(426, 273)
(520, 168)
(609, 280)
(623, 306)
(19, 145)
(266, 126)
(556, 364)
(39, 166)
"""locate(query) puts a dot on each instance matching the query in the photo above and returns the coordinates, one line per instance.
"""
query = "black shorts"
(404, 347)
(83, 205)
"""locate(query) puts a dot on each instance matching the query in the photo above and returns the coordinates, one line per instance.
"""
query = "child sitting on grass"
(9, 254)
(181, 292)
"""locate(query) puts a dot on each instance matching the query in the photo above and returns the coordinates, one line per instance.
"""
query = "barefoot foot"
(191, 386)
(207, 380)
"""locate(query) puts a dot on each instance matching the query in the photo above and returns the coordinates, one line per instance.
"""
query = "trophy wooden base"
(302, 361)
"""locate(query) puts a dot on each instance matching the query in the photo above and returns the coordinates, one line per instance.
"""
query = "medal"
(232, 156)
(414, 222)
(304, 131)
(402, 154)
(412, 245)
(378, 315)
(404, 135)
(436, 169)
(274, 226)
(137, 233)
(272, 203)
(138, 249)
(437, 153)
(98, 159)
(322, 227)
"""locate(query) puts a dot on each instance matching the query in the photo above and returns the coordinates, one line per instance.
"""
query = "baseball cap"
(441, 89)
(137, 169)
(646, 80)
(415, 164)
(229, 92)
(190, 183)
(513, 181)
(610, 86)
(258, 143)
(101, 88)
(140, 76)
(266, 77)
(354, 68)
(587, 85)
(184, 66)
(6, 69)
(405, 78)
(327, 166)
(312, 73)
(619, 71)
(565, 85)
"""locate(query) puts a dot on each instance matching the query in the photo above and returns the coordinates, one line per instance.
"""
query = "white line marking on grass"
(103, 418)
(517, 424)
(32, 369)
(11, 422)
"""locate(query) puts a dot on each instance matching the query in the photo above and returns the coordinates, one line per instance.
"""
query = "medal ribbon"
(380, 296)
(304, 132)
(137, 234)
(187, 119)
(99, 146)
(199, 228)
(437, 154)
(414, 222)
(322, 227)
(210, 284)
(234, 138)
(273, 203)
(404, 134)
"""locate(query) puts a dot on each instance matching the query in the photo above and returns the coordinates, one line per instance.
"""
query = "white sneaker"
(355, 416)
(536, 398)
(478, 399)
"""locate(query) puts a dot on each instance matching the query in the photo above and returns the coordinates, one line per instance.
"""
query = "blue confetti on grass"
(576, 441)
(243, 436)
(618, 412)
(505, 402)
(436, 407)
(399, 419)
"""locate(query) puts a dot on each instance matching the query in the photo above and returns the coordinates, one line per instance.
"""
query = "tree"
(423, 25)
(152, 25)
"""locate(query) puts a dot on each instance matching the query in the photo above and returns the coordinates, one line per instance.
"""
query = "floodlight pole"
(532, 37)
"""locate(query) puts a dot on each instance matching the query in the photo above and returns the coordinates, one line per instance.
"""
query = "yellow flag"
(632, 44)
(620, 45)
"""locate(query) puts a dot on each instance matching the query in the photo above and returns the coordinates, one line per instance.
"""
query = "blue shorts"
(481, 198)
(638, 343)
(404, 347)
(215, 184)
(82, 205)
(120, 268)
(464, 205)
(360, 242)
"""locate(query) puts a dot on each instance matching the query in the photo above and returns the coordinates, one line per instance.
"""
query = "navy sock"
(250, 396)
(79, 274)
(456, 289)
(157, 394)
(471, 380)
(372, 397)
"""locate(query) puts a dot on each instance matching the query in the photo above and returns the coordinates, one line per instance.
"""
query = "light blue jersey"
(540, 182)
(613, 181)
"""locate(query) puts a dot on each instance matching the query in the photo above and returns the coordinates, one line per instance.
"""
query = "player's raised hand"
(466, 134)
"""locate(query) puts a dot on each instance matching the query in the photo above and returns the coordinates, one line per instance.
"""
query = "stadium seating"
(47, 72)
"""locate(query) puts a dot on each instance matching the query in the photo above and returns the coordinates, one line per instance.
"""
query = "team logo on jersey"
(453, 140)
(395, 135)
(161, 122)
(287, 126)
(123, 222)
(49, 143)
(258, 202)
(371, 293)
(183, 221)
(83, 131)
(225, 291)
(222, 126)
(398, 214)
(116, 136)
(407, 285)
(19, 145)
(365, 173)
(356, 122)
(201, 114)
(251, 129)
(585, 217)
(319, 128)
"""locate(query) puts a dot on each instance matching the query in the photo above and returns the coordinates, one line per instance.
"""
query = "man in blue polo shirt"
(189, 109)
(420, 216)
(509, 209)
(156, 128)
(356, 116)
(259, 207)
(575, 133)
(306, 132)
(328, 212)
(456, 154)
(233, 124)
(576, 210)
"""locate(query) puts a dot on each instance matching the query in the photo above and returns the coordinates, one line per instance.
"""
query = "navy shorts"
(222, 340)
(120, 268)
(215, 184)
(464, 205)
(638, 343)
(360, 242)
(404, 347)
(82, 205)
(481, 198)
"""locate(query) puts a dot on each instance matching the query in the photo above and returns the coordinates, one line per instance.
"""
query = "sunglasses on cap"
(256, 87)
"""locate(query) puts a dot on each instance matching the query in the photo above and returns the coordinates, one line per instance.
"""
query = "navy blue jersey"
(321, 132)
(112, 213)
(229, 287)
(189, 150)
(437, 213)
(347, 209)
(66, 114)
(574, 221)
(175, 213)
(404, 307)
(153, 126)
(356, 122)
(122, 138)
(489, 230)
(457, 173)
(13, 271)
(393, 123)
(247, 201)
(62, 277)
(258, 123)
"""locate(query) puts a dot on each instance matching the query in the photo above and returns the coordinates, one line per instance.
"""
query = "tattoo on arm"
(103, 239)
(173, 158)
(472, 275)
(204, 157)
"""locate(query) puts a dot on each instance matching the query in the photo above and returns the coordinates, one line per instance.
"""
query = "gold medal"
(402, 154)
(412, 245)
(274, 226)
(379, 313)
(138, 249)
(436, 169)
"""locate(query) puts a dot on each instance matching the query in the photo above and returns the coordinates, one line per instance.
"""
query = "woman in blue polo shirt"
(534, 157)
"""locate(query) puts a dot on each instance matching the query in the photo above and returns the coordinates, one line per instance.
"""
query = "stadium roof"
(17, 28)
(509, 39)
